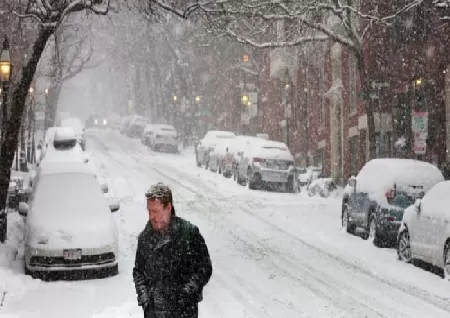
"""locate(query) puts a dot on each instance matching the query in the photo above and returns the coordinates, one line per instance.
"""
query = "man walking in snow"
(172, 261)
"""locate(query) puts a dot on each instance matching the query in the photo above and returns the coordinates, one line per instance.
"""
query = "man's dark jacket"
(171, 270)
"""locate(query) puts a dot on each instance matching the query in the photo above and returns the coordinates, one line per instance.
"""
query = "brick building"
(408, 68)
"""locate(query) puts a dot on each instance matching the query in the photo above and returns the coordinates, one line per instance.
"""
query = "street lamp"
(31, 90)
(5, 76)
(5, 62)
(245, 99)
(198, 99)
(46, 91)
(174, 98)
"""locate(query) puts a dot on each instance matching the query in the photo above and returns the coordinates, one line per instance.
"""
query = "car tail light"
(390, 194)
(259, 160)
(390, 219)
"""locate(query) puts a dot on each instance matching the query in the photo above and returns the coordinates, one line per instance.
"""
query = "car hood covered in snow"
(70, 210)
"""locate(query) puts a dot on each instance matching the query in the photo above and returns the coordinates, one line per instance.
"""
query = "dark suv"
(375, 200)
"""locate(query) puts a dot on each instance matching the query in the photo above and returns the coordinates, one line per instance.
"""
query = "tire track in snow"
(409, 290)
(237, 295)
(437, 301)
(313, 281)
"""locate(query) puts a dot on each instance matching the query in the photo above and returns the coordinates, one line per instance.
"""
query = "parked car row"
(401, 202)
(160, 137)
(253, 161)
(133, 126)
(64, 233)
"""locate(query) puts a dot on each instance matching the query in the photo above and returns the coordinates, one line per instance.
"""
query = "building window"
(378, 145)
(352, 82)
(353, 159)
(387, 144)
(322, 98)
(362, 147)
(318, 159)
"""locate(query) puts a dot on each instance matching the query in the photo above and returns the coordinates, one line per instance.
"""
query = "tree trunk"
(13, 125)
(364, 79)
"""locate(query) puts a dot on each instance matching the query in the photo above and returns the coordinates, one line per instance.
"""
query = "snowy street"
(274, 254)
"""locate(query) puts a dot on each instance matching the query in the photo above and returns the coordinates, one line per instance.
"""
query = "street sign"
(245, 119)
(419, 122)
(420, 143)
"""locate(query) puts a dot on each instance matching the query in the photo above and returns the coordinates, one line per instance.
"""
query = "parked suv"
(267, 163)
(207, 144)
(375, 200)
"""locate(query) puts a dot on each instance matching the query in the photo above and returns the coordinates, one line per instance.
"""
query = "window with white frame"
(352, 82)
(322, 98)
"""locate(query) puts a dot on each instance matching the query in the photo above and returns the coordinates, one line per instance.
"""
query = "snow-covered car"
(208, 143)
(64, 147)
(381, 192)
(221, 157)
(237, 147)
(78, 128)
(267, 163)
(425, 230)
(146, 134)
(64, 232)
(135, 126)
(163, 137)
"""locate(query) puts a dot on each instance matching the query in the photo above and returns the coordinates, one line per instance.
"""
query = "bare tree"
(49, 15)
(71, 52)
(257, 23)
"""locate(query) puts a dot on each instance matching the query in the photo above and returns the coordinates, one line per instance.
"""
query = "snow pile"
(400, 143)
(323, 187)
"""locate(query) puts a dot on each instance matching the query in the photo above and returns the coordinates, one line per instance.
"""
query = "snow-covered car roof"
(74, 123)
(64, 133)
(67, 206)
(270, 149)
(219, 134)
(380, 175)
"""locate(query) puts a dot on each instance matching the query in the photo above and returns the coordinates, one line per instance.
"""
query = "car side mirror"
(104, 187)
(418, 205)
(23, 208)
(114, 204)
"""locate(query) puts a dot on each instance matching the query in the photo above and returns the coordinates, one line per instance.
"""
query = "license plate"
(279, 176)
(72, 254)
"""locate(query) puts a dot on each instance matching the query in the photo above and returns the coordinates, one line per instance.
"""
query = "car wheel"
(373, 234)
(3, 228)
(447, 261)
(404, 247)
(349, 227)
(250, 182)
